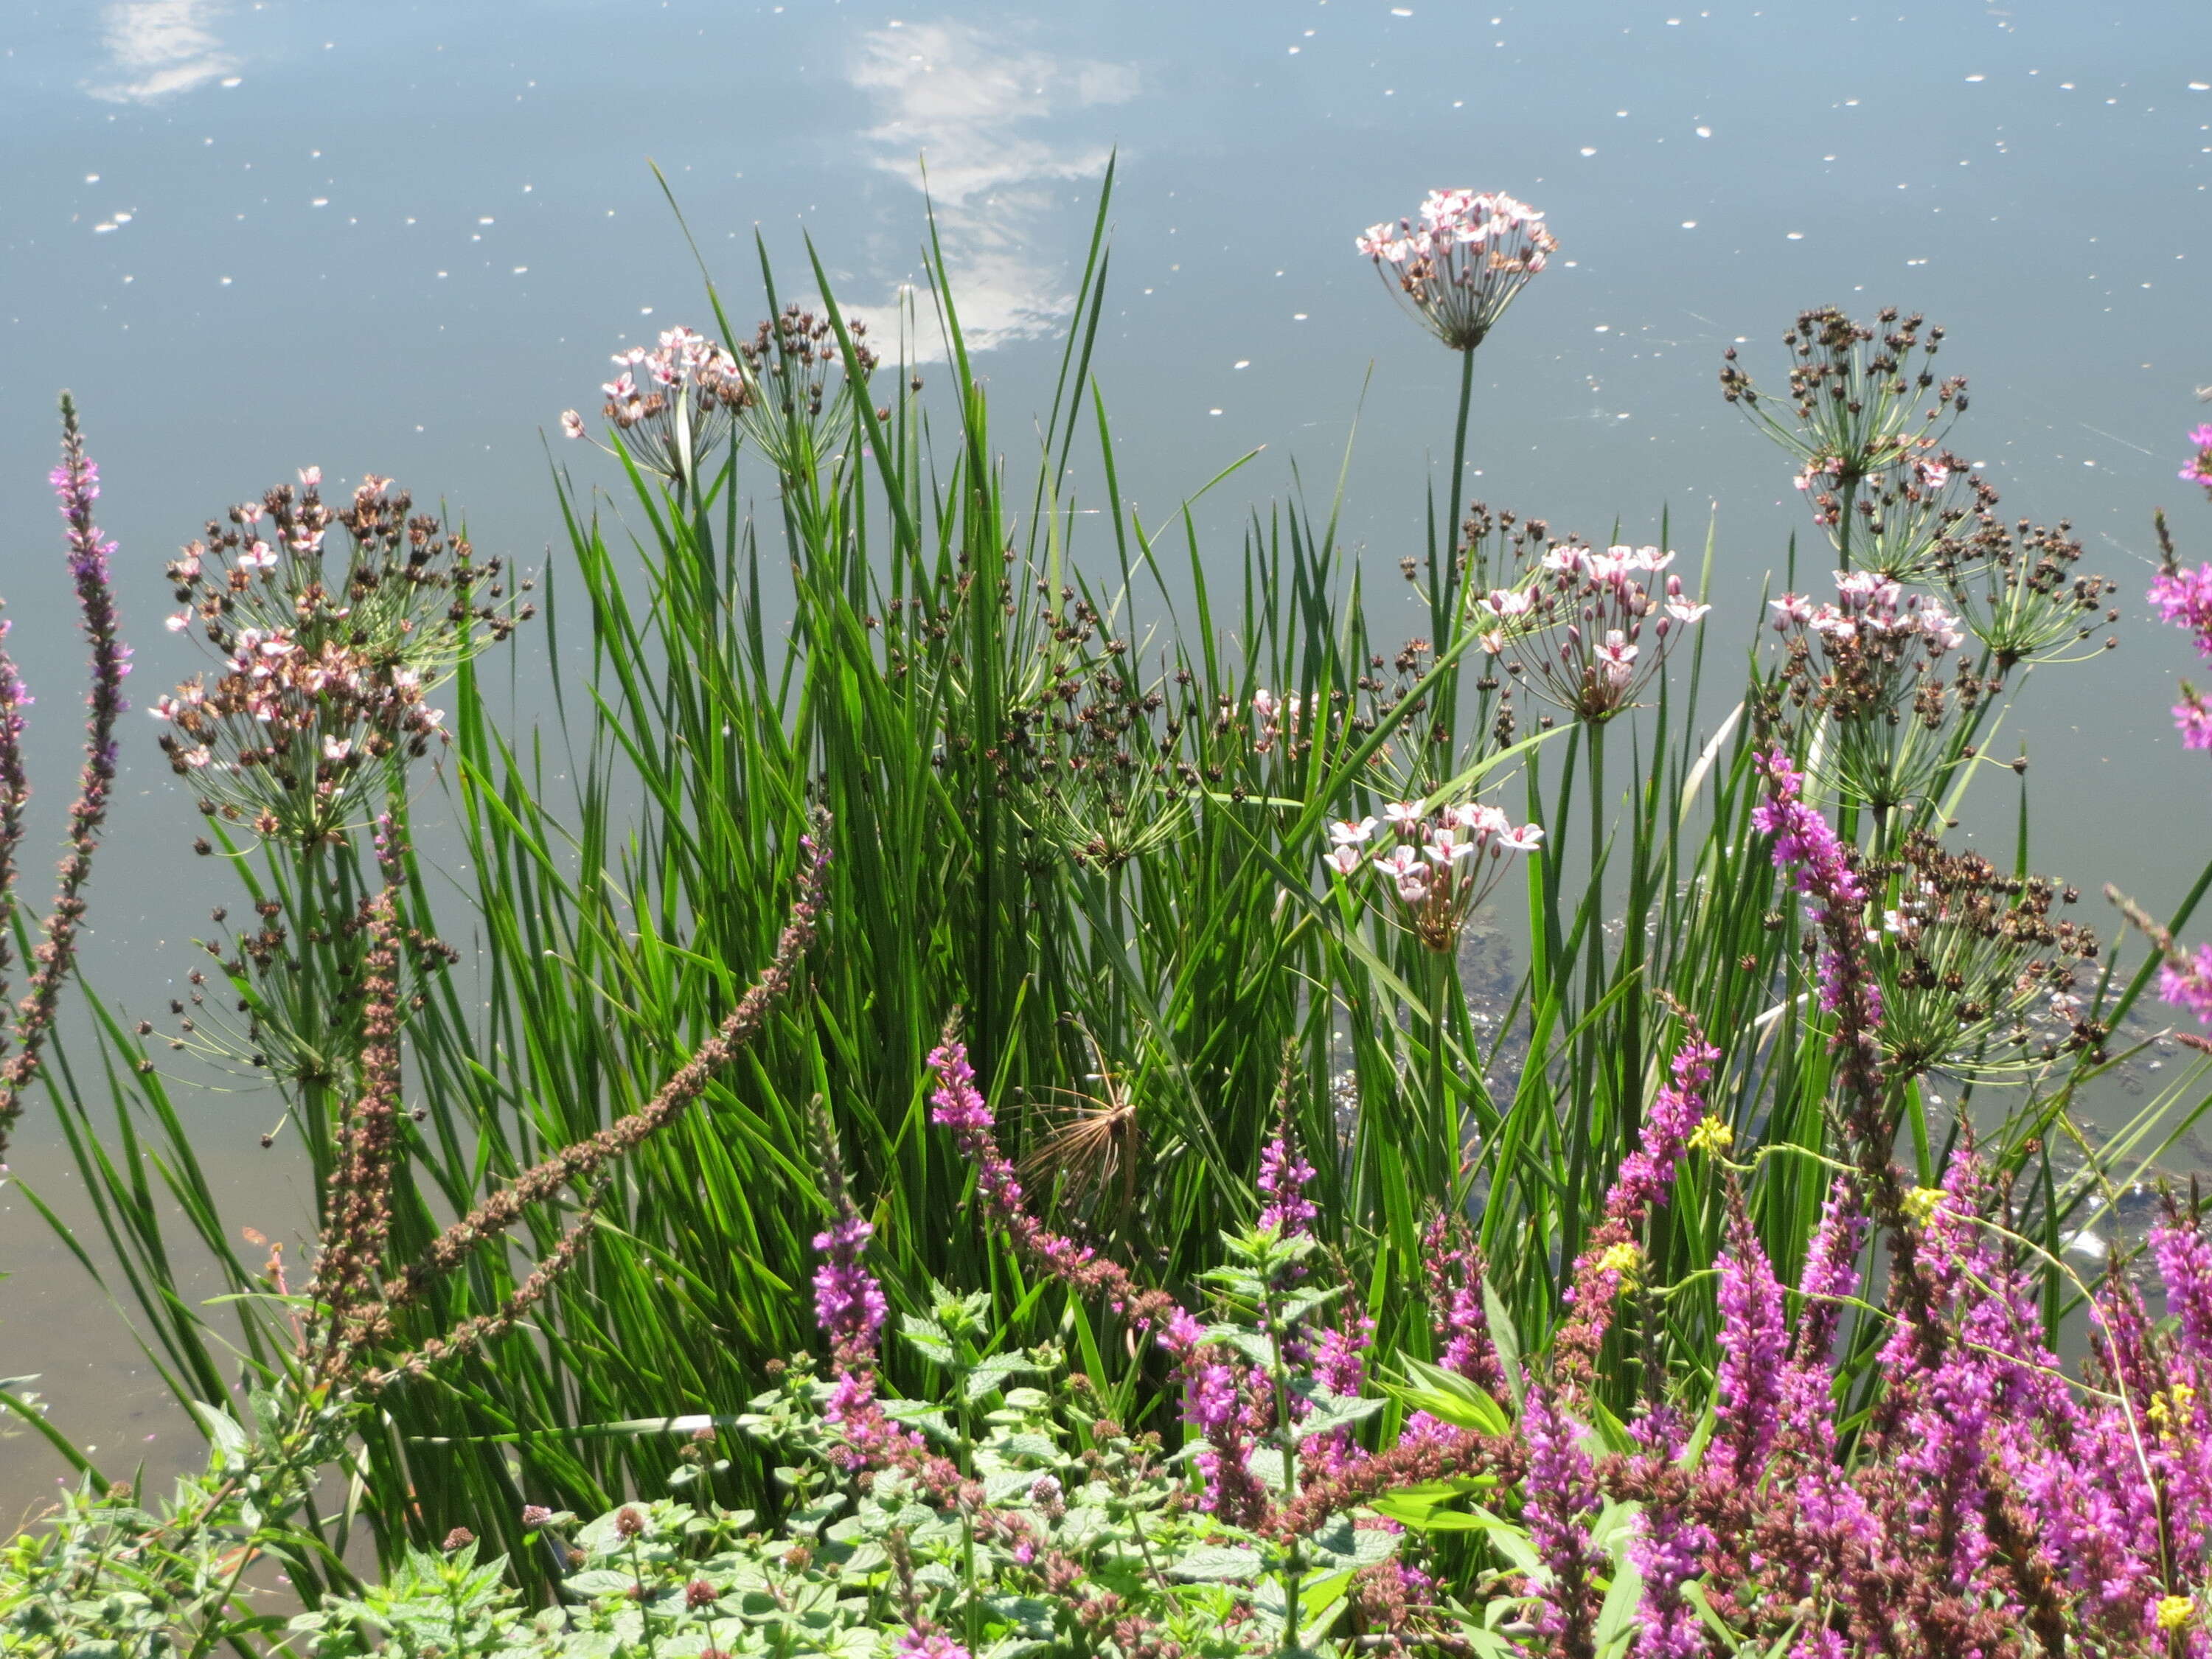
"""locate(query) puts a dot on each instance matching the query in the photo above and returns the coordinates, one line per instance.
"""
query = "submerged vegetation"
(1058, 959)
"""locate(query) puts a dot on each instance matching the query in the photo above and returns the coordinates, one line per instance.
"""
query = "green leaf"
(1448, 1397)
(1217, 1564)
(1616, 1619)
(1505, 1338)
(1610, 1433)
(991, 1375)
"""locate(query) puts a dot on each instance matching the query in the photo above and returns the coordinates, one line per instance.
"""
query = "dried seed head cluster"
(327, 659)
(1577, 633)
(2017, 590)
(1862, 395)
(1976, 976)
(1098, 750)
(1459, 264)
(1863, 417)
(276, 1008)
(1901, 512)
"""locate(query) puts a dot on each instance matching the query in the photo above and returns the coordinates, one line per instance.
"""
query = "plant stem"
(1459, 465)
(1444, 979)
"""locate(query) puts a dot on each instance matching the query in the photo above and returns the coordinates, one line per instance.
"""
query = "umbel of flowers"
(679, 400)
(1460, 262)
(1589, 633)
(327, 657)
(1434, 866)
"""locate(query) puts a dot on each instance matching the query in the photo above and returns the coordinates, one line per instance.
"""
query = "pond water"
(402, 238)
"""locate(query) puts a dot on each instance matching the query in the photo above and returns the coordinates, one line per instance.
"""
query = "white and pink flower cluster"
(1436, 865)
(1273, 716)
(1460, 263)
(324, 658)
(685, 391)
(1869, 607)
(1593, 606)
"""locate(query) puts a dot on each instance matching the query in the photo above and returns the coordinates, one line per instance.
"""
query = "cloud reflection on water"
(969, 108)
(159, 47)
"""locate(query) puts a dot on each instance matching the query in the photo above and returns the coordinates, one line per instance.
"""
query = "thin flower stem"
(1450, 608)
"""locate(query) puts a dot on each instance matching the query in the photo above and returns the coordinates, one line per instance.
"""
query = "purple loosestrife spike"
(1753, 1341)
(2199, 468)
(1559, 1493)
(1669, 1547)
(2183, 1255)
(76, 484)
(14, 795)
(919, 1643)
(957, 1104)
(1456, 1315)
(1831, 1273)
(1610, 1257)
(2185, 981)
(1283, 1179)
(848, 1302)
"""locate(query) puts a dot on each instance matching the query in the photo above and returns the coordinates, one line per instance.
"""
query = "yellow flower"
(1712, 1136)
(1622, 1258)
(2175, 1611)
(1921, 1205)
(2170, 1411)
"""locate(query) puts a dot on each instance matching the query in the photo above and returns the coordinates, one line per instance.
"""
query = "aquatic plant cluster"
(984, 1130)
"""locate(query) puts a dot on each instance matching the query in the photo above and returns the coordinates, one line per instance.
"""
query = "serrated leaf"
(1349, 1547)
(1305, 1302)
(221, 1427)
(991, 1376)
(600, 1580)
(1255, 1345)
(1339, 1413)
(1028, 1614)
(1269, 1466)
(1217, 1564)
(932, 1348)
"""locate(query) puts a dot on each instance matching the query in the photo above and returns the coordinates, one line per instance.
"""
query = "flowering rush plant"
(327, 658)
(1461, 261)
(1434, 866)
(679, 400)
(1578, 632)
